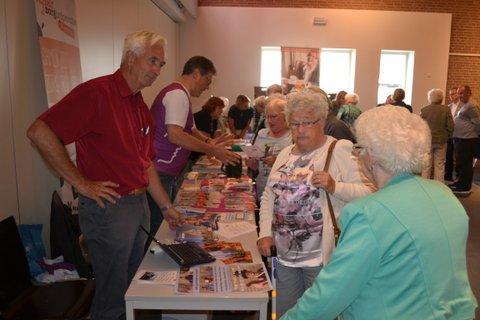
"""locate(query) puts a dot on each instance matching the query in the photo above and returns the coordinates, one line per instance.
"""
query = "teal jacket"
(401, 255)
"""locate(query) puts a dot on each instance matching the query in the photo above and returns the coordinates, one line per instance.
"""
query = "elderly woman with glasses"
(294, 214)
(271, 141)
(401, 253)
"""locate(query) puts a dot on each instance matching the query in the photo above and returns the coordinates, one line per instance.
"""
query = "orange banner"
(61, 68)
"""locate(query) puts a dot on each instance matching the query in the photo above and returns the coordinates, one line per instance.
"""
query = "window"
(337, 70)
(396, 71)
(271, 66)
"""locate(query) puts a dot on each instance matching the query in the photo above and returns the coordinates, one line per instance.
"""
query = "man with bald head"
(465, 138)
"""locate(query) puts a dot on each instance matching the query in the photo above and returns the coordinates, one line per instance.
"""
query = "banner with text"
(58, 37)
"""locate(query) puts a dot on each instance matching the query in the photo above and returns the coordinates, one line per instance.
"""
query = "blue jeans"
(115, 243)
(169, 183)
(291, 284)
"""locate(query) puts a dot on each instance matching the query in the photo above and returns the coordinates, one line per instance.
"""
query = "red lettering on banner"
(69, 31)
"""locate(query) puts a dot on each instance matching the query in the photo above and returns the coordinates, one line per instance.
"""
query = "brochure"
(228, 252)
(223, 279)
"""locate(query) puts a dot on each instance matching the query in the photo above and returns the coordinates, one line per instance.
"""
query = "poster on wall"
(299, 67)
(60, 54)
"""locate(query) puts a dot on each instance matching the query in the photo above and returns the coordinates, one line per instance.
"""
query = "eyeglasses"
(358, 150)
(305, 124)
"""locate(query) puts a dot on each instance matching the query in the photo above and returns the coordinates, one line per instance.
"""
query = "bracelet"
(165, 208)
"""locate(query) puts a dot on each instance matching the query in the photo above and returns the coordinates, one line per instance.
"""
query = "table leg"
(263, 312)
(129, 311)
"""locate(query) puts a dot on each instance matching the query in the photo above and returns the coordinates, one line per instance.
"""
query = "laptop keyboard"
(187, 254)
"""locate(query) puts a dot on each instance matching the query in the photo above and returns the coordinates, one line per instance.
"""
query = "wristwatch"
(165, 208)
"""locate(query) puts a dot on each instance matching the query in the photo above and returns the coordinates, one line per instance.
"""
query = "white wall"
(8, 185)
(232, 38)
(26, 184)
(28, 181)
(102, 27)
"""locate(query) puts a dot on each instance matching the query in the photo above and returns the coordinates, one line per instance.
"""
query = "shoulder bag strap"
(336, 229)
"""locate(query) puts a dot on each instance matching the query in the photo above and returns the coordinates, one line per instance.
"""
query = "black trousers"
(464, 151)
(449, 160)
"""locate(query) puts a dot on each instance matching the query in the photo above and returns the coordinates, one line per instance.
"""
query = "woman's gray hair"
(260, 100)
(137, 43)
(435, 96)
(352, 98)
(399, 141)
(306, 100)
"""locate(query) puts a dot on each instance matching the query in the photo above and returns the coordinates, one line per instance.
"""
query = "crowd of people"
(328, 172)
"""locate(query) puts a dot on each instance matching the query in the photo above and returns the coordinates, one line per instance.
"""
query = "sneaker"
(459, 191)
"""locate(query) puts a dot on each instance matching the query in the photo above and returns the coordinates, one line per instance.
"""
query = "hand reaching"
(174, 218)
(264, 244)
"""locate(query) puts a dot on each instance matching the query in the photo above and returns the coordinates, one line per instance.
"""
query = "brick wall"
(465, 34)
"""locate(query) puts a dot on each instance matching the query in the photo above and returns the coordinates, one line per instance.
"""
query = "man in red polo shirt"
(113, 132)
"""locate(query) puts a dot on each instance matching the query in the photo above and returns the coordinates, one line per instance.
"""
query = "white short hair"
(435, 96)
(397, 139)
(352, 98)
(305, 100)
(137, 43)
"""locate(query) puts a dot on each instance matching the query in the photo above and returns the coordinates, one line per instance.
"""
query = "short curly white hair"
(352, 98)
(435, 96)
(304, 101)
(397, 139)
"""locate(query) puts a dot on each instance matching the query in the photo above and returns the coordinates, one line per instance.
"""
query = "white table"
(162, 297)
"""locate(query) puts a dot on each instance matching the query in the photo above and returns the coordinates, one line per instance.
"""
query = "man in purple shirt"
(176, 135)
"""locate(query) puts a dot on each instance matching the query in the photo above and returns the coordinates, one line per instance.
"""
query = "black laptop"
(185, 254)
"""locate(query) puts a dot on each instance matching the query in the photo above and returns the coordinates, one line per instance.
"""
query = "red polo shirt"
(112, 130)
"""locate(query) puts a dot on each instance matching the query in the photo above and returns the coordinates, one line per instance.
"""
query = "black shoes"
(458, 190)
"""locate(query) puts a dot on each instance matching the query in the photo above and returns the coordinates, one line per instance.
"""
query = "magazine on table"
(228, 252)
(223, 279)
(191, 233)
(200, 216)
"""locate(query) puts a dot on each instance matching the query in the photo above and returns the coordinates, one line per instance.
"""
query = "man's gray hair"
(435, 96)
(399, 141)
(137, 43)
(307, 101)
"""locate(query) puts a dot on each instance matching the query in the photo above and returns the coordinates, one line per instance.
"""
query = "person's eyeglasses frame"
(305, 124)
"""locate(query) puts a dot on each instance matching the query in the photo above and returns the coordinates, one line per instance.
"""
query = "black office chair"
(20, 299)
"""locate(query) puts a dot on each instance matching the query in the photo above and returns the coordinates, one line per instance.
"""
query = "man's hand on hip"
(97, 190)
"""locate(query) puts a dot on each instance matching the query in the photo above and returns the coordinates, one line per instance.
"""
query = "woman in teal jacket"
(401, 254)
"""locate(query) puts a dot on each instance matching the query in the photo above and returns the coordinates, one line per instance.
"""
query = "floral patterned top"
(297, 215)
